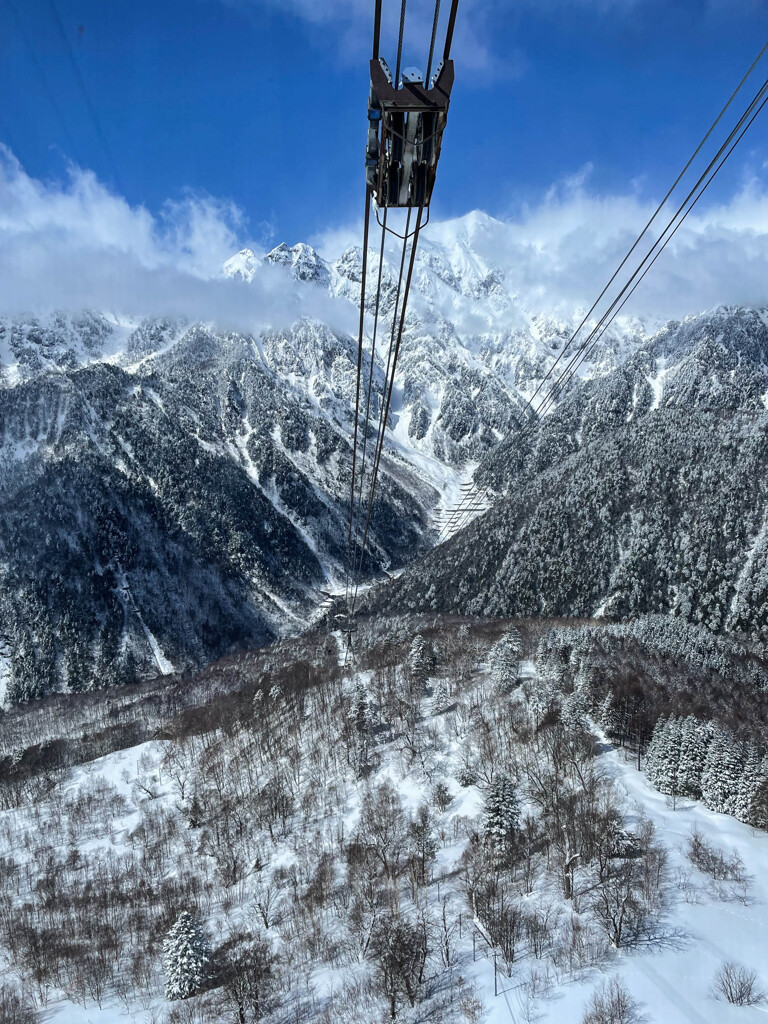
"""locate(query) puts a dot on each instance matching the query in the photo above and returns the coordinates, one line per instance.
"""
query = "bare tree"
(247, 976)
(611, 1003)
(399, 950)
(13, 1008)
(384, 828)
(737, 984)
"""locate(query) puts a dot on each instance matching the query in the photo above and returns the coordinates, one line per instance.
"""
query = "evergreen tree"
(693, 752)
(608, 716)
(654, 750)
(574, 711)
(749, 785)
(186, 955)
(721, 777)
(362, 718)
(502, 812)
(440, 699)
(504, 660)
(360, 709)
(758, 811)
(422, 841)
(418, 663)
(665, 760)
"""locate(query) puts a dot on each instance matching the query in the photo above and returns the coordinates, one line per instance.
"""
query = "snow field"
(670, 974)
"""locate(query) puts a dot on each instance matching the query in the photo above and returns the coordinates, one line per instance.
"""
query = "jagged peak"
(304, 262)
(243, 265)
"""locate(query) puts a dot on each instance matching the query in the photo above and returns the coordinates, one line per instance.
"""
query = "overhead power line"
(43, 78)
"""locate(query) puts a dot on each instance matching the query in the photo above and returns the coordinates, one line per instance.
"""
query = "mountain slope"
(172, 491)
(165, 512)
(645, 491)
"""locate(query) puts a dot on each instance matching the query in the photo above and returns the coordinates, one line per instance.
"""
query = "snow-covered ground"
(704, 928)
(670, 974)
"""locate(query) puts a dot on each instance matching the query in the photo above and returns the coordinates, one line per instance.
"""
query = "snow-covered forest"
(453, 828)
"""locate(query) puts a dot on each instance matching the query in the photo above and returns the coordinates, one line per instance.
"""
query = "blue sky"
(261, 103)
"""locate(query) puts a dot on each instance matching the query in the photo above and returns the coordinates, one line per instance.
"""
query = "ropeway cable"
(411, 262)
(432, 43)
(357, 567)
(655, 214)
(366, 419)
(597, 333)
(451, 523)
(660, 244)
(399, 315)
(763, 96)
(600, 329)
(400, 42)
(357, 391)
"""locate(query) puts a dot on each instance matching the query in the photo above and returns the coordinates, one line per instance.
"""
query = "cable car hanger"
(406, 119)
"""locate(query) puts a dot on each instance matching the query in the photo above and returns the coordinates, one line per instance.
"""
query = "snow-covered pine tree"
(749, 784)
(574, 711)
(733, 769)
(418, 662)
(186, 956)
(360, 708)
(502, 812)
(543, 699)
(608, 715)
(440, 699)
(504, 660)
(693, 751)
(655, 750)
(666, 759)
(722, 773)
(758, 811)
(361, 714)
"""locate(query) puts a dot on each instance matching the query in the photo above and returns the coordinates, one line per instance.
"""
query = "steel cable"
(370, 375)
(401, 324)
(451, 523)
(400, 43)
(398, 321)
(657, 211)
(382, 422)
(593, 339)
(357, 392)
(702, 184)
(432, 43)
(615, 312)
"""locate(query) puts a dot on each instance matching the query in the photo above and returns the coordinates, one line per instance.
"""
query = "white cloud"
(76, 245)
(564, 250)
(558, 254)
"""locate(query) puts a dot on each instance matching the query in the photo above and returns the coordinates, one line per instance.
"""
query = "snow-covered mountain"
(644, 491)
(171, 491)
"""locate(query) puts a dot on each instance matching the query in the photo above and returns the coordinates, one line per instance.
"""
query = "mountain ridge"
(230, 453)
